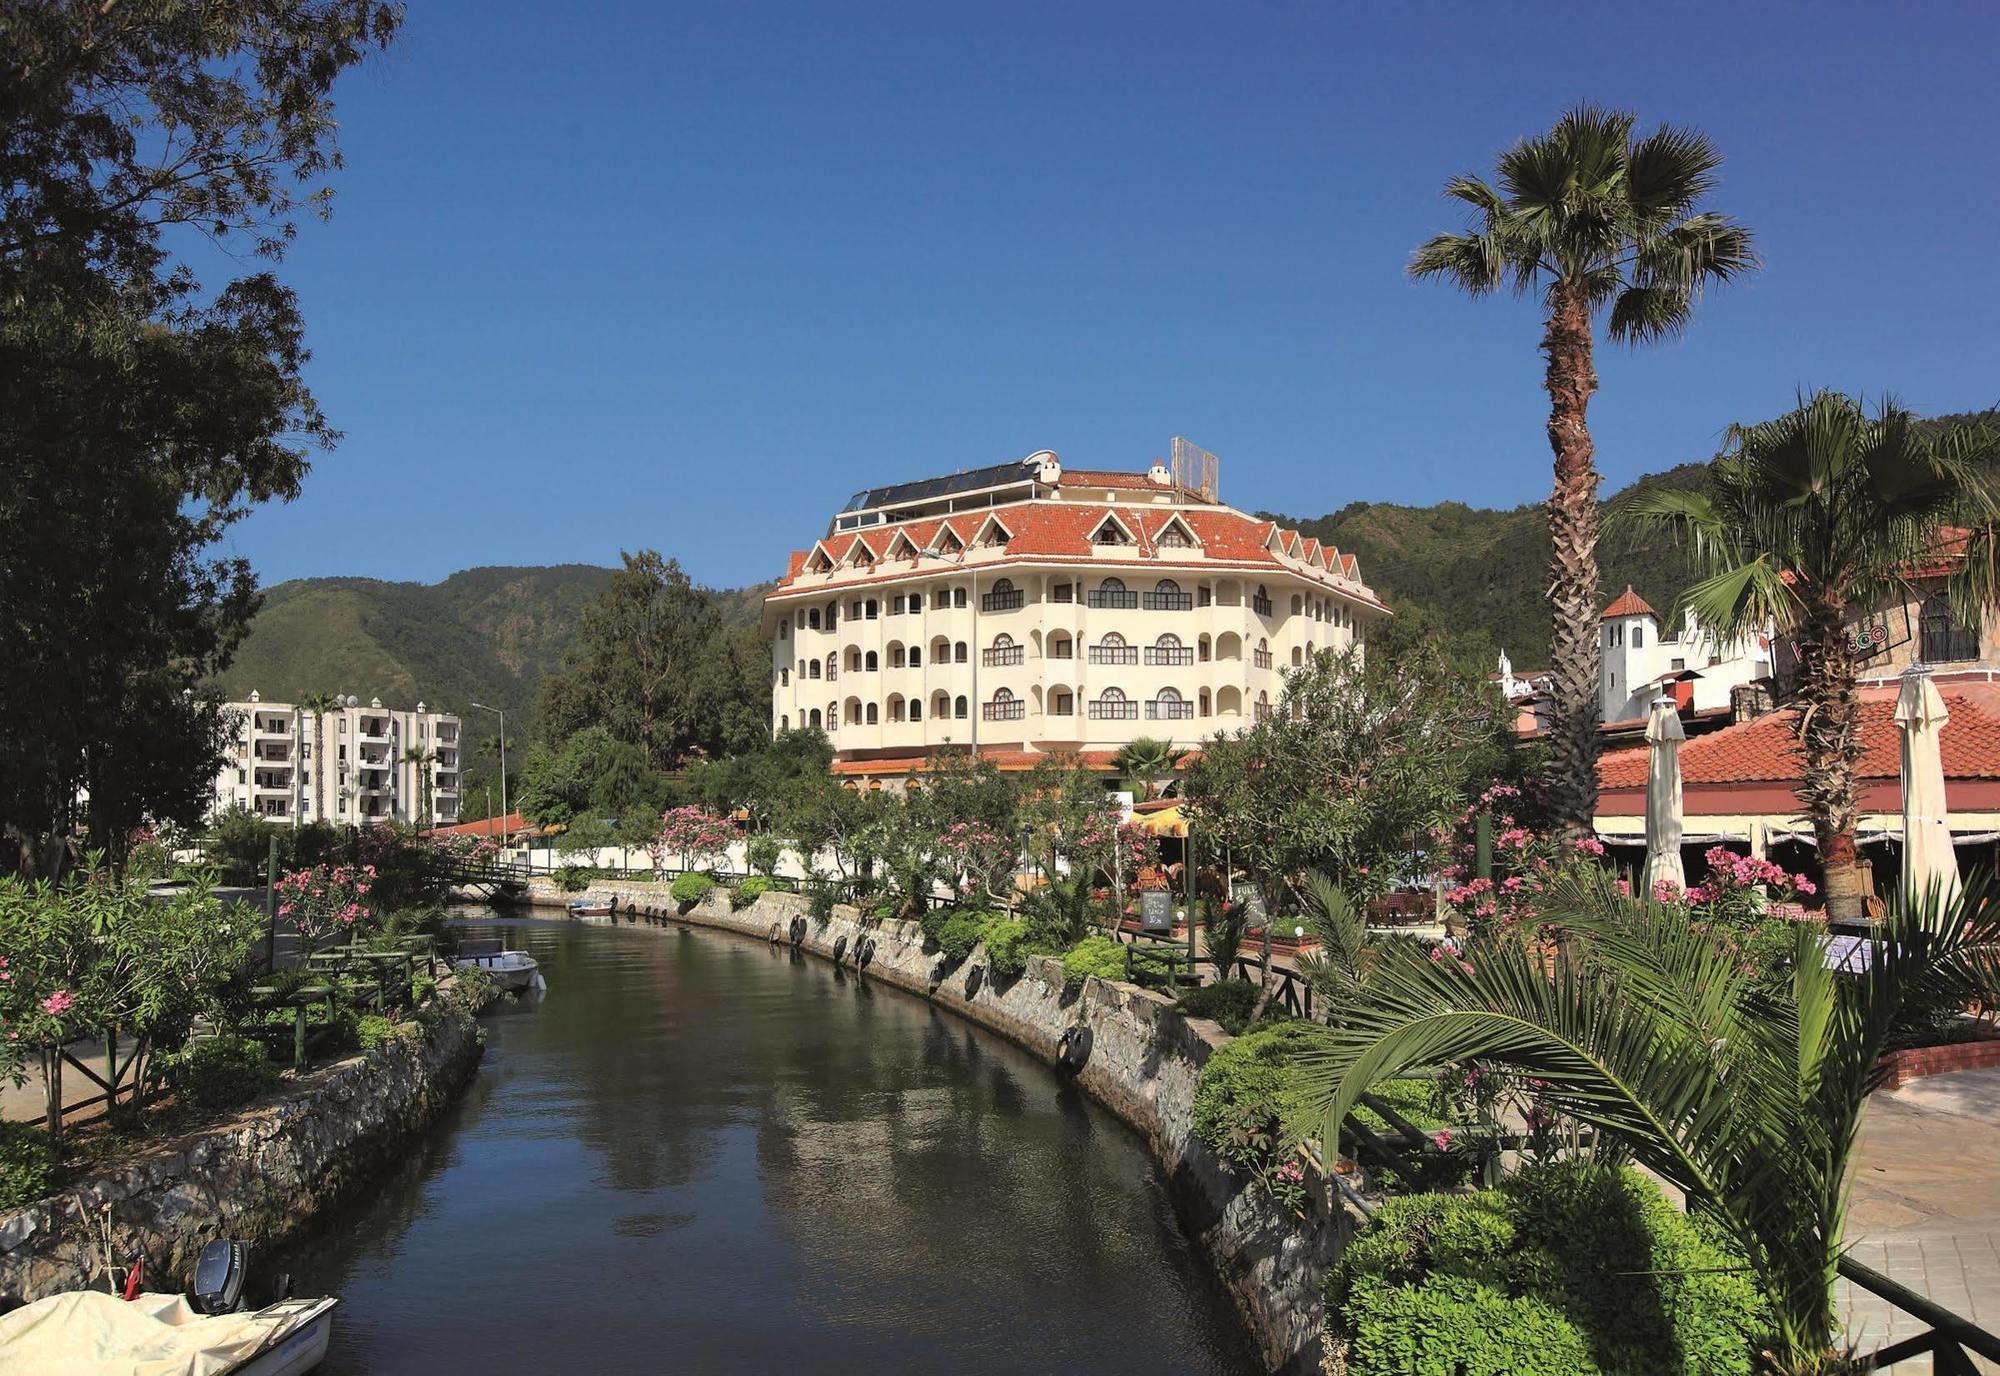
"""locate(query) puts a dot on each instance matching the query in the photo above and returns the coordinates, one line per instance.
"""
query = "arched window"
(833, 666)
(941, 705)
(1261, 656)
(1261, 603)
(784, 723)
(1167, 596)
(814, 719)
(1169, 705)
(871, 714)
(1004, 597)
(1263, 705)
(916, 709)
(1113, 705)
(785, 629)
(916, 601)
(1002, 652)
(812, 618)
(1168, 650)
(1298, 604)
(1112, 649)
(832, 615)
(1298, 656)
(1112, 593)
(1203, 700)
(1061, 647)
(896, 708)
(1062, 703)
(961, 652)
(832, 715)
(1004, 707)
(1941, 639)
(812, 669)
(961, 707)
(916, 656)
(898, 656)
(870, 662)
(873, 609)
(958, 597)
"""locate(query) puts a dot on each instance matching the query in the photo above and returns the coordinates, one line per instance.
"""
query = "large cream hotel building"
(1022, 609)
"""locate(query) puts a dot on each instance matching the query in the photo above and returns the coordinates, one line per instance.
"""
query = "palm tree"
(423, 759)
(1589, 217)
(1811, 519)
(319, 704)
(1149, 762)
(1746, 1098)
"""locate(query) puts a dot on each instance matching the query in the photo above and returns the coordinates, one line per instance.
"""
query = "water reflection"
(701, 1153)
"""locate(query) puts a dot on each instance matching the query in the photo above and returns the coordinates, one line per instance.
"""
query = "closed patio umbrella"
(1928, 860)
(1663, 796)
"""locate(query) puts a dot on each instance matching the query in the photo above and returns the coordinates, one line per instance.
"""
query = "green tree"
(1149, 762)
(1745, 1097)
(422, 759)
(1591, 218)
(1810, 519)
(141, 416)
(319, 704)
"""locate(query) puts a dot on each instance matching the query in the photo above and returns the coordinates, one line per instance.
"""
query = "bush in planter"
(1254, 1075)
(750, 890)
(1567, 1267)
(1009, 943)
(1098, 956)
(1229, 1002)
(28, 1169)
(574, 878)
(959, 930)
(219, 1073)
(689, 889)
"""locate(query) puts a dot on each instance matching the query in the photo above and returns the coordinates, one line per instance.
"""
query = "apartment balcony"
(374, 731)
(1114, 654)
(1009, 601)
(1167, 601)
(1003, 657)
(1173, 657)
(1167, 709)
(272, 728)
(1112, 599)
(271, 786)
(1113, 709)
(1005, 710)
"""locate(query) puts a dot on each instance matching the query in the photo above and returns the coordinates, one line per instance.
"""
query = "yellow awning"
(1164, 821)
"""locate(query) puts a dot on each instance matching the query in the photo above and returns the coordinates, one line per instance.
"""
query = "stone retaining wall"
(1144, 1061)
(261, 1175)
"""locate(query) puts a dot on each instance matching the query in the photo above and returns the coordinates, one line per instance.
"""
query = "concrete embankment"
(261, 1175)
(1143, 1062)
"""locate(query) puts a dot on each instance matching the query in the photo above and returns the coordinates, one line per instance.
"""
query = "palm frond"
(1648, 314)
(1472, 262)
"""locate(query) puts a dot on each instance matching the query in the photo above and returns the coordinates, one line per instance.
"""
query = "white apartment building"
(1642, 662)
(346, 766)
(1022, 610)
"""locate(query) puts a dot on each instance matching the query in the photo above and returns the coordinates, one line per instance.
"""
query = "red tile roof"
(1092, 477)
(513, 824)
(1628, 603)
(1766, 750)
(1006, 759)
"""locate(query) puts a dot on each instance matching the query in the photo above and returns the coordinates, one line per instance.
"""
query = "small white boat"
(592, 908)
(511, 970)
(92, 1333)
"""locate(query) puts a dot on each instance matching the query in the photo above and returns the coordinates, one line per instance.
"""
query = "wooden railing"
(1948, 1340)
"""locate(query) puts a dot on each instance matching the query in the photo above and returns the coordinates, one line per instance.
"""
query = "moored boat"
(591, 908)
(513, 971)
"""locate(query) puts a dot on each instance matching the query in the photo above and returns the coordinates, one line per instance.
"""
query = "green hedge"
(1251, 1078)
(219, 1073)
(1228, 1002)
(689, 889)
(1097, 956)
(574, 878)
(1567, 1269)
(750, 890)
(28, 1168)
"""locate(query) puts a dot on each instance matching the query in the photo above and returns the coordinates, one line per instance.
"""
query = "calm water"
(699, 1154)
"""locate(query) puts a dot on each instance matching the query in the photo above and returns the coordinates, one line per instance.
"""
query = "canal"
(698, 1153)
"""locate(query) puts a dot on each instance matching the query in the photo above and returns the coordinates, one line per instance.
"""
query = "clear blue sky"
(606, 276)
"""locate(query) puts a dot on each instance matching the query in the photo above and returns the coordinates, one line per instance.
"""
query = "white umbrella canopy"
(1928, 860)
(1663, 796)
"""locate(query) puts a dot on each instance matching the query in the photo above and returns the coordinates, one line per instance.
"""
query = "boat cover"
(91, 1333)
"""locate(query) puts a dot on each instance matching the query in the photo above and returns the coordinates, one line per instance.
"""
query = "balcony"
(1010, 601)
(1179, 657)
(1115, 599)
(1114, 709)
(1114, 654)
(1007, 709)
(375, 732)
(278, 727)
(1168, 709)
(1003, 656)
(1168, 602)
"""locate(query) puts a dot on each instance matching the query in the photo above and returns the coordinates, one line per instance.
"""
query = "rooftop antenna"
(1194, 469)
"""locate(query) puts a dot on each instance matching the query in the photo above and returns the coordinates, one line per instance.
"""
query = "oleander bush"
(690, 888)
(28, 1169)
(1567, 1267)
(750, 890)
(1228, 1002)
(218, 1073)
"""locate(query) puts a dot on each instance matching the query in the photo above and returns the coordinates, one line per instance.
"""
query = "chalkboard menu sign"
(1156, 910)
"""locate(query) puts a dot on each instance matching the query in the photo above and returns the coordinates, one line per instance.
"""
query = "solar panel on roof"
(923, 489)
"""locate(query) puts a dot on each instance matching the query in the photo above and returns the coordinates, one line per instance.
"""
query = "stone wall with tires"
(261, 1175)
(1142, 1063)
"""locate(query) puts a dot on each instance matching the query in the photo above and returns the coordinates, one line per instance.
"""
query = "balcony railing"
(1177, 656)
(1062, 592)
(1103, 709)
(1115, 598)
(1114, 654)
(1261, 605)
(1159, 709)
(1010, 601)
(1001, 657)
(1061, 651)
(1168, 602)
(1013, 710)
(1261, 658)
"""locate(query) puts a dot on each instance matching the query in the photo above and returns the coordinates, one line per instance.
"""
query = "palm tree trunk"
(1575, 657)
(1830, 750)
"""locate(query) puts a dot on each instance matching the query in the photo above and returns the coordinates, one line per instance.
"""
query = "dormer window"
(1111, 531)
(1175, 535)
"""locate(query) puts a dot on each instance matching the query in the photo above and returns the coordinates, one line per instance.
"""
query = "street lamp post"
(503, 769)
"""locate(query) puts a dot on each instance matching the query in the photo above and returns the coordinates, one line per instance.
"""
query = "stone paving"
(1926, 1206)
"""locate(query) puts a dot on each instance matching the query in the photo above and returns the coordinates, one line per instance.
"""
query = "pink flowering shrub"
(974, 854)
(325, 899)
(695, 837)
(1525, 863)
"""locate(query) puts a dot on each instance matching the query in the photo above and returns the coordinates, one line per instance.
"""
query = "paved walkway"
(1926, 1205)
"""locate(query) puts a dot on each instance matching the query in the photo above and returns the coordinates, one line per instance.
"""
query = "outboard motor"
(218, 1277)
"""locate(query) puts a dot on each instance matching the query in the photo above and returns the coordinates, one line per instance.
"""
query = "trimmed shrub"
(1098, 956)
(1229, 1002)
(27, 1166)
(1248, 1088)
(372, 1029)
(958, 930)
(1009, 943)
(1566, 1268)
(219, 1073)
(690, 888)
(750, 890)
(574, 878)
